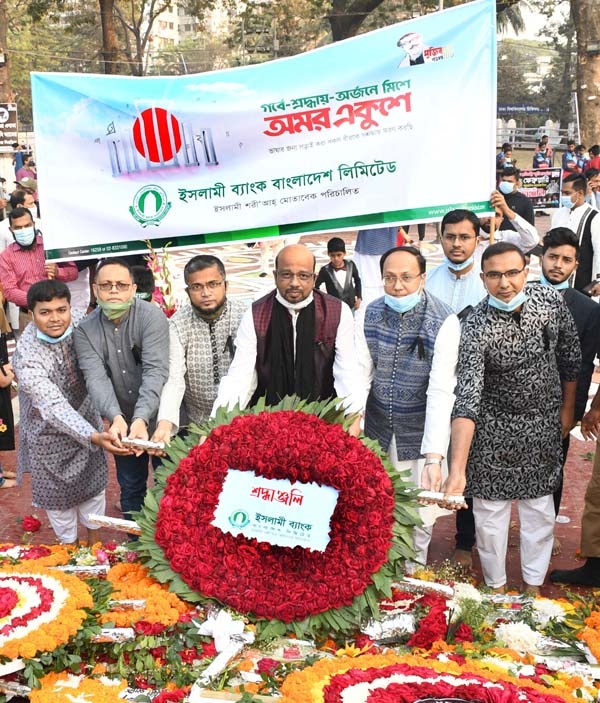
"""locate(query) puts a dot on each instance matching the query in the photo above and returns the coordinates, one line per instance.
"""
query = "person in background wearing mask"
(560, 257)
(522, 233)
(516, 201)
(580, 217)
(407, 348)
(121, 351)
(23, 262)
(61, 437)
(506, 444)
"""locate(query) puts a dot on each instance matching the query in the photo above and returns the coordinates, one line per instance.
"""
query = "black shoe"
(583, 576)
(263, 274)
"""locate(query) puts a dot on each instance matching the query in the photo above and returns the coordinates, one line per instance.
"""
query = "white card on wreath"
(275, 510)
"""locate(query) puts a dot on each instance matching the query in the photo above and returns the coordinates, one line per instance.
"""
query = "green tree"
(587, 27)
(557, 87)
(126, 26)
(348, 17)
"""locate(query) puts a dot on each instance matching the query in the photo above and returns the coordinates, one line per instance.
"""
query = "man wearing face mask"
(24, 262)
(121, 351)
(201, 336)
(407, 348)
(580, 217)
(516, 201)
(61, 436)
(560, 258)
(457, 282)
(506, 443)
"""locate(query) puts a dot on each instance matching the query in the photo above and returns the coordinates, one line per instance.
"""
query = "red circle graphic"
(157, 134)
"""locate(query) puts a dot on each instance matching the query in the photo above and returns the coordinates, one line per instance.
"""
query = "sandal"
(7, 482)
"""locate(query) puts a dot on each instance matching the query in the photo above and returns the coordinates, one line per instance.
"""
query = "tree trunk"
(347, 16)
(110, 46)
(6, 94)
(586, 19)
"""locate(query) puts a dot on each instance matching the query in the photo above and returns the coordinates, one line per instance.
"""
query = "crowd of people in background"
(430, 363)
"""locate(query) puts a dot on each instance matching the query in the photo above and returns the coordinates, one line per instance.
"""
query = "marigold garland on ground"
(132, 581)
(40, 554)
(64, 688)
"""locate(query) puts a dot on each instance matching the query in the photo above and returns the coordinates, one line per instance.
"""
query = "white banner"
(396, 125)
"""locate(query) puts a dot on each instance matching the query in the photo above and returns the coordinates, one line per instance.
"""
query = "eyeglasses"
(404, 277)
(211, 285)
(303, 276)
(107, 287)
(497, 275)
(459, 237)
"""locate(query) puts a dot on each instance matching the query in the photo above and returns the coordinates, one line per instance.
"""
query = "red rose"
(171, 696)
(31, 523)
(142, 627)
(267, 666)
(463, 633)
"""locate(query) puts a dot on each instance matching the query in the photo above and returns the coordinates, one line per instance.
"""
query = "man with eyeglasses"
(294, 341)
(458, 283)
(519, 359)
(121, 351)
(201, 335)
(407, 349)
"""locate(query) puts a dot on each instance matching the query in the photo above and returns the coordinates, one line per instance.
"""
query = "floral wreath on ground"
(281, 588)
(39, 610)
(393, 678)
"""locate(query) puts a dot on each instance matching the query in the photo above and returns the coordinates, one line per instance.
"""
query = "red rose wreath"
(334, 589)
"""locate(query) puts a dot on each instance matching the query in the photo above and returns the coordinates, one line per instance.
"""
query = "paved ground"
(242, 264)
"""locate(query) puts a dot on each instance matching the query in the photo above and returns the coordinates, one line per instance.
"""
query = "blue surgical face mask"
(558, 286)
(404, 304)
(459, 267)
(54, 340)
(24, 237)
(511, 306)
(565, 201)
(506, 187)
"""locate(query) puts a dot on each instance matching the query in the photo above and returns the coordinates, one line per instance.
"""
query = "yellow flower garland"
(48, 636)
(59, 688)
(131, 581)
(307, 686)
(60, 555)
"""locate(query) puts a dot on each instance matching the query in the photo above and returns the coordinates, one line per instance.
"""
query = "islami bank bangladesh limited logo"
(239, 519)
(150, 205)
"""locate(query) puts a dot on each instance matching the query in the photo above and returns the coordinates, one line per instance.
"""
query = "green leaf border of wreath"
(345, 620)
